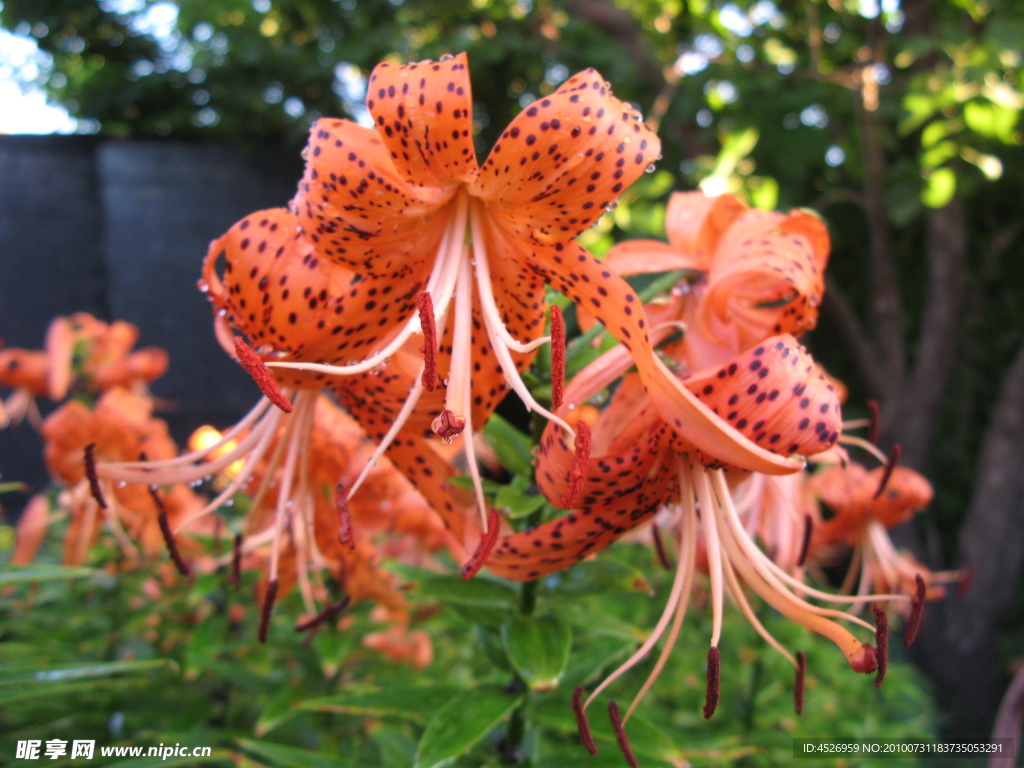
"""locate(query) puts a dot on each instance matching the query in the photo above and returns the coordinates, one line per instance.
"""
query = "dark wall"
(119, 229)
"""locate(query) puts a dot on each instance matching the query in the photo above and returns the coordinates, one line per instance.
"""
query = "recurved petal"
(564, 159)
(294, 305)
(573, 271)
(637, 257)
(776, 395)
(424, 114)
(358, 210)
(694, 223)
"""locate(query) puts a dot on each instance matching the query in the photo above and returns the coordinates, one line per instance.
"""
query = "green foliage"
(139, 658)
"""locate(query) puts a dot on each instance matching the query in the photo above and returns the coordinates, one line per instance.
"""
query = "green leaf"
(511, 445)
(20, 574)
(413, 702)
(461, 722)
(85, 671)
(396, 747)
(478, 600)
(940, 188)
(538, 648)
(591, 578)
(282, 756)
(216, 756)
(514, 501)
(279, 708)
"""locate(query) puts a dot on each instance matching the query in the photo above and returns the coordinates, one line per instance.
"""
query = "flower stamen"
(582, 724)
(326, 614)
(578, 473)
(267, 609)
(236, 562)
(890, 465)
(806, 541)
(165, 530)
(620, 735)
(798, 685)
(916, 612)
(557, 356)
(90, 472)
(261, 375)
(483, 549)
(430, 379)
(345, 536)
(713, 676)
(881, 642)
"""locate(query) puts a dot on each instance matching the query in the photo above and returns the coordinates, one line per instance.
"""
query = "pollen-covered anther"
(916, 612)
(890, 465)
(236, 562)
(557, 356)
(261, 375)
(620, 734)
(483, 549)
(345, 536)
(806, 542)
(582, 724)
(326, 614)
(713, 681)
(430, 378)
(448, 425)
(267, 609)
(90, 473)
(165, 530)
(578, 473)
(881, 642)
(798, 685)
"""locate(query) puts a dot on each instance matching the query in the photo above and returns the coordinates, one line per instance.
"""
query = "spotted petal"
(564, 159)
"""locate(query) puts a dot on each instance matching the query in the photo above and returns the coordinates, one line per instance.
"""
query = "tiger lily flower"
(406, 206)
(863, 505)
(120, 427)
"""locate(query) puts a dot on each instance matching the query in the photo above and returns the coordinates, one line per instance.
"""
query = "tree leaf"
(216, 756)
(461, 722)
(538, 648)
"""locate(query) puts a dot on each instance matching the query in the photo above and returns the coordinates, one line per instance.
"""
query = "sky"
(23, 108)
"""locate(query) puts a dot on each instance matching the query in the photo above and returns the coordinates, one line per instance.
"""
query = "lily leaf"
(284, 756)
(217, 756)
(461, 722)
(538, 648)
(511, 445)
(20, 574)
(413, 702)
(591, 578)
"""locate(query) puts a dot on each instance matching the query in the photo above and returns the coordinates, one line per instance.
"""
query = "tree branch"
(623, 28)
(871, 368)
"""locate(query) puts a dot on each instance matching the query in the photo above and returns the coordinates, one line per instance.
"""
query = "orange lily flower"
(864, 504)
(81, 353)
(119, 428)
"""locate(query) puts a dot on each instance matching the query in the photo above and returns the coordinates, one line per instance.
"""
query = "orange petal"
(358, 210)
(776, 395)
(577, 274)
(564, 159)
(424, 115)
(640, 257)
(694, 222)
(294, 305)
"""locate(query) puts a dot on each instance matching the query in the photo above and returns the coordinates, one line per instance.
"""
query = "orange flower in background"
(120, 427)
(862, 505)
(81, 353)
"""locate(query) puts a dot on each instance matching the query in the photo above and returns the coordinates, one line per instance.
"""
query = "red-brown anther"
(894, 459)
(165, 529)
(620, 734)
(448, 424)
(798, 685)
(90, 472)
(267, 610)
(659, 548)
(578, 473)
(557, 356)
(261, 375)
(236, 562)
(873, 421)
(916, 612)
(881, 642)
(345, 536)
(326, 614)
(430, 378)
(713, 680)
(806, 543)
(582, 724)
(483, 549)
